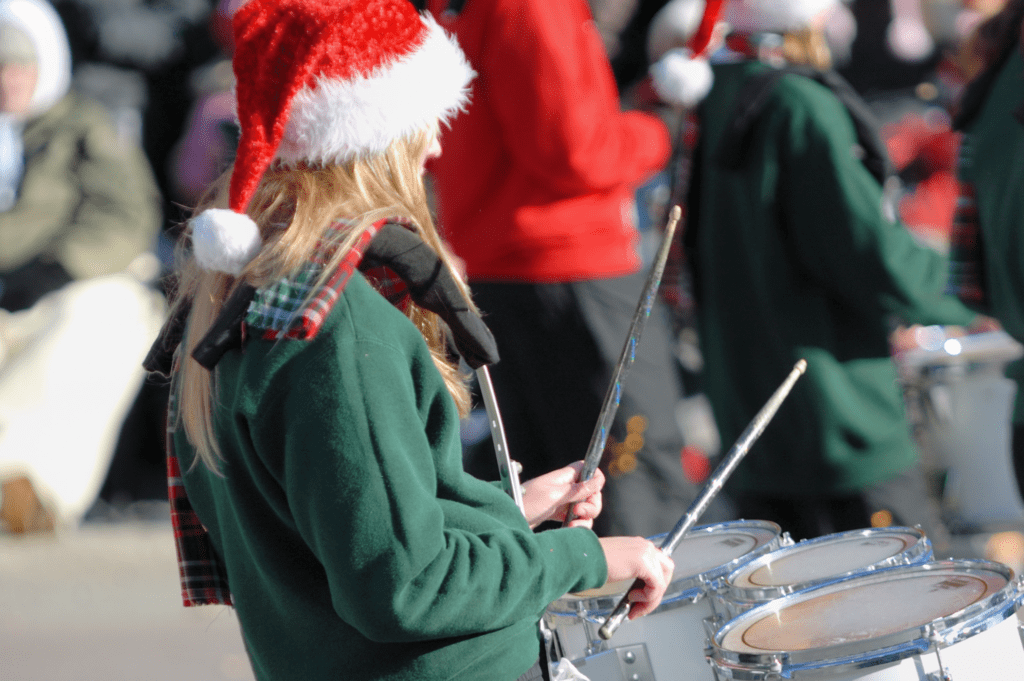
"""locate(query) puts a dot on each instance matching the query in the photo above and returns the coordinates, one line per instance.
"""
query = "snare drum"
(942, 620)
(669, 643)
(815, 561)
(961, 404)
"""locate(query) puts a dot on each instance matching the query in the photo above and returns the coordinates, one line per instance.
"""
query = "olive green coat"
(87, 199)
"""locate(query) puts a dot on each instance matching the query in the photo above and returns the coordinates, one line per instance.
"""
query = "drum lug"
(936, 640)
(628, 663)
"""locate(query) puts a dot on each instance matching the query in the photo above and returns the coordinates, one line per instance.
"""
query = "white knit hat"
(323, 82)
(776, 16)
(40, 23)
(678, 39)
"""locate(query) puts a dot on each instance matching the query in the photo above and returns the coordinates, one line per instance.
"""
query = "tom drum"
(669, 643)
(943, 620)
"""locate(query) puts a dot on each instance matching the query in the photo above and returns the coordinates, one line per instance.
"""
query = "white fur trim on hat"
(339, 120)
(224, 241)
(777, 16)
(681, 79)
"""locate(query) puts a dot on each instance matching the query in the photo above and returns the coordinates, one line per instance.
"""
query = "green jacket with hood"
(355, 545)
(793, 259)
(992, 161)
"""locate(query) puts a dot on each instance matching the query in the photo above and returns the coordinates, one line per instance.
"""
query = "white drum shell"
(676, 635)
(983, 642)
(961, 403)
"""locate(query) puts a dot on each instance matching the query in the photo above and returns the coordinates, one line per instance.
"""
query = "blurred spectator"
(794, 258)
(873, 66)
(77, 226)
(923, 148)
(162, 41)
(535, 193)
(611, 18)
(919, 131)
(987, 244)
(208, 142)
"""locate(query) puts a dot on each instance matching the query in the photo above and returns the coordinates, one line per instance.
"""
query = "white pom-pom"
(680, 79)
(224, 241)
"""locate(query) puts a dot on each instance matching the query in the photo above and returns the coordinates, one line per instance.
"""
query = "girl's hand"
(632, 558)
(550, 496)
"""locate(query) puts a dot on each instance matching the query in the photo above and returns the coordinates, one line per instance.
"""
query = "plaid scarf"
(203, 580)
(285, 309)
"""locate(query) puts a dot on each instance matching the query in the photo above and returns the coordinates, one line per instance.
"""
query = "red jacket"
(536, 180)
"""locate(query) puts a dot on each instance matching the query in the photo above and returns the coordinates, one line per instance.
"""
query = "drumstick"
(711, 489)
(507, 468)
(614, 394)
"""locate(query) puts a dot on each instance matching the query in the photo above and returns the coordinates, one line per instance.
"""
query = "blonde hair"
(295, 209)
(807, 47)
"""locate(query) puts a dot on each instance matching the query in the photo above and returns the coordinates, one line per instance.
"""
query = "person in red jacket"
(535, 193)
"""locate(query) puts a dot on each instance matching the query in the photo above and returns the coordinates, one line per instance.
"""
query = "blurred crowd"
(125, 118)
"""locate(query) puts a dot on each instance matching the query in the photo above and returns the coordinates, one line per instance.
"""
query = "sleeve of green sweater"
(833, 213)
(413, 548)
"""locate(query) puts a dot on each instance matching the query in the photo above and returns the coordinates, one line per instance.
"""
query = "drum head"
(870, 611)
(812, 561)
(706, 552)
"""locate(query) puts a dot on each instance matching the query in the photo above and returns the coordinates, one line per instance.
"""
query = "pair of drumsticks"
(510, 474)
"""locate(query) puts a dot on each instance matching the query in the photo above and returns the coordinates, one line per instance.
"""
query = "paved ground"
(101, 603)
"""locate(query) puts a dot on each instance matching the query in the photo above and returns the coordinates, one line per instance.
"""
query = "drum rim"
(691, 588)
(1001, 347)
(941, 633)
(920, 552)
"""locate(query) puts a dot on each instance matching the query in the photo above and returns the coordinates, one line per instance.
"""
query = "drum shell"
(961, 405)
(734, 595)
(980, 642)
(676, 634)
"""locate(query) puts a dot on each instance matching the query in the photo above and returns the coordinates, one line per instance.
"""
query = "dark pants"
(21, 288)
(559, 344)
(536, 673)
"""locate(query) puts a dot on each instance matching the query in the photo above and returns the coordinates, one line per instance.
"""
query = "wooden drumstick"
(614, 394)
(711, 489)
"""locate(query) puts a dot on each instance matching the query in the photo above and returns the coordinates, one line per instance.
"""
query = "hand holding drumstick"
(552, 495)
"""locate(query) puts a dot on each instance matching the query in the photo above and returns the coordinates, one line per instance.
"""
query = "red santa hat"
(678, 40)
(323, 82)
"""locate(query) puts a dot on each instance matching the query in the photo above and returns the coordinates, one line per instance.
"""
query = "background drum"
(669, 643)
(815, 561)
(961, 402)
(942, 620)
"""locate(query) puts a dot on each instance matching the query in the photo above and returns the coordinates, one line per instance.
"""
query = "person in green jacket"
(316, 469)
(987, 253)
(794, 256)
